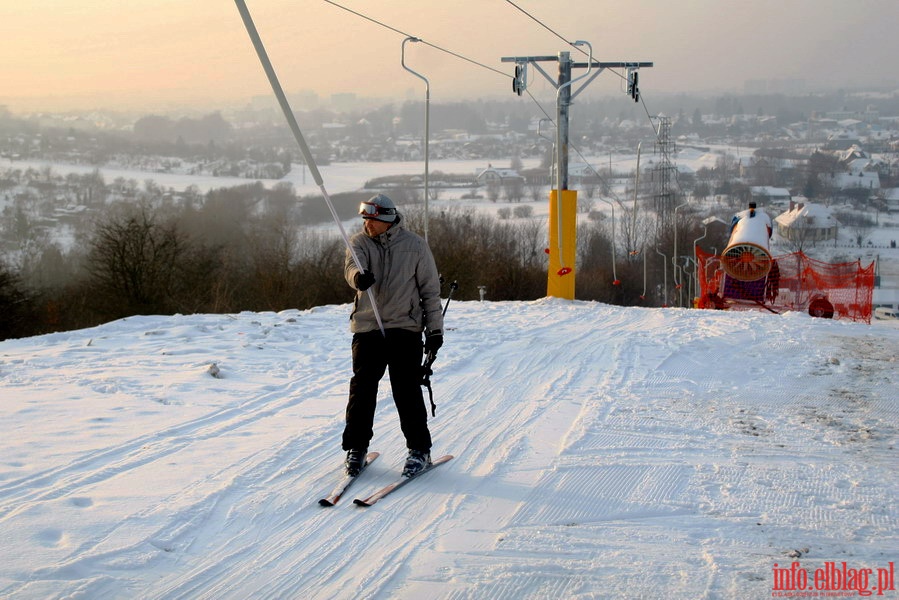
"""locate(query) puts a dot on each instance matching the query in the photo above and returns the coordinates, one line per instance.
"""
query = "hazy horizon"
(161, 54)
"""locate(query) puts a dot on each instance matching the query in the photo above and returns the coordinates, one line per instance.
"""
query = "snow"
(600, 452)
(337, 176)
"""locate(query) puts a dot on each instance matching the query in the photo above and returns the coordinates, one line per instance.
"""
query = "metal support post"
(563, 226)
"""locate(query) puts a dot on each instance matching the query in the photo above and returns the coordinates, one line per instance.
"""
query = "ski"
(346, 482)
(378, 495)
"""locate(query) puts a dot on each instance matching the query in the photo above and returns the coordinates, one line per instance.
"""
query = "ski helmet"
(380, 208)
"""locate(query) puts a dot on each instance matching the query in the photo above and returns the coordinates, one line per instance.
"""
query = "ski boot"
(415, 462)
(355, 460)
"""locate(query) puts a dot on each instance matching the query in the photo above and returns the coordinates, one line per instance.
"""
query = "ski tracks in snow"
(589, 441)
(166, 474)
(533, 469)
(615, 441)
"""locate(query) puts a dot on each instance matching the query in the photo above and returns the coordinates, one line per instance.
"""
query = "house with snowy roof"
(806, 222)
(497, 175)
(856, 179)
(891, 198)
(852, 153)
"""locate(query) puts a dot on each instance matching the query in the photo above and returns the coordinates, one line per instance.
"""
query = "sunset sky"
(157, 55)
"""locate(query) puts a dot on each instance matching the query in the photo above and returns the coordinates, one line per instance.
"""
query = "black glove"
(363, 281)
(433, 342)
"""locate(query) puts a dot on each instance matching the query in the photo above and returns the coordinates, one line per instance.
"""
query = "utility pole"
(664, 174)
(563, 202)
(563, 107)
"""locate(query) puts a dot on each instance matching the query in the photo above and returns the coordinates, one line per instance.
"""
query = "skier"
(399, 268)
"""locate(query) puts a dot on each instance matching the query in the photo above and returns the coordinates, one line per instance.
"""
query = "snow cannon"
(747, 256)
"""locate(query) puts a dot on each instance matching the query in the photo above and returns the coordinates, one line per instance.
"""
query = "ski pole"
(453, 287)
(430, 357)
(298, 135)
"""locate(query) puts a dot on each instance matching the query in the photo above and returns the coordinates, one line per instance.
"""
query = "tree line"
(248, 248)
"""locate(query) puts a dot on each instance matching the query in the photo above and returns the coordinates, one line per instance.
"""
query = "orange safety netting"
(795, 282)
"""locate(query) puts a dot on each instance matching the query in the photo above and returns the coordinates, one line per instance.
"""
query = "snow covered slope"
(601, 452)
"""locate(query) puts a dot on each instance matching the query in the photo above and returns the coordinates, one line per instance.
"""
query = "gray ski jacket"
(407, 285)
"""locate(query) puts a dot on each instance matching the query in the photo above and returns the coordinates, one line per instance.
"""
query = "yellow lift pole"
(562, 201)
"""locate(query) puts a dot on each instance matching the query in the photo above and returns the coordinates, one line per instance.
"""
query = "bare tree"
(16, 316)
(274, 247)
(133, 263)
(513, 189)
(493, 190)
(861, 225)
(634, 229)
(536, 191)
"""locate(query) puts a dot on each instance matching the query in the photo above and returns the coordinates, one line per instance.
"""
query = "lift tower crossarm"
(564, 80)
(613, 65)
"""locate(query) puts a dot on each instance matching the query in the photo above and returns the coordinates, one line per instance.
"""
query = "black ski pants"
(399, 351)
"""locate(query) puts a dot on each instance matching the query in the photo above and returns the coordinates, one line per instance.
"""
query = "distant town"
(825, 147)
(834, 158)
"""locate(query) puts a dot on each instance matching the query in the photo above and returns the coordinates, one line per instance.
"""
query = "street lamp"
(679, 286)
(643, 295)
(664, 274)
(674, 255)
(691, 289)
(615, 280)
(427, 120)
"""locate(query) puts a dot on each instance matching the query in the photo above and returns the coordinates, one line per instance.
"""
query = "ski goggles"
(370, 210)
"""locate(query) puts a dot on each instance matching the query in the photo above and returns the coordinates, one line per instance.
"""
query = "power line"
(546, 27)
(582, 51)
(489, 68)
(367, 18)
(464, 58)
(425, 42)
(403, 33)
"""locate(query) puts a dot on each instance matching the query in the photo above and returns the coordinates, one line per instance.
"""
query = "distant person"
(751, 213)
(398, 267)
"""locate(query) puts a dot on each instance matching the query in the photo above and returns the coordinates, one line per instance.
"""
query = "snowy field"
(601, 452)
(346, 177)
(352, 176)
